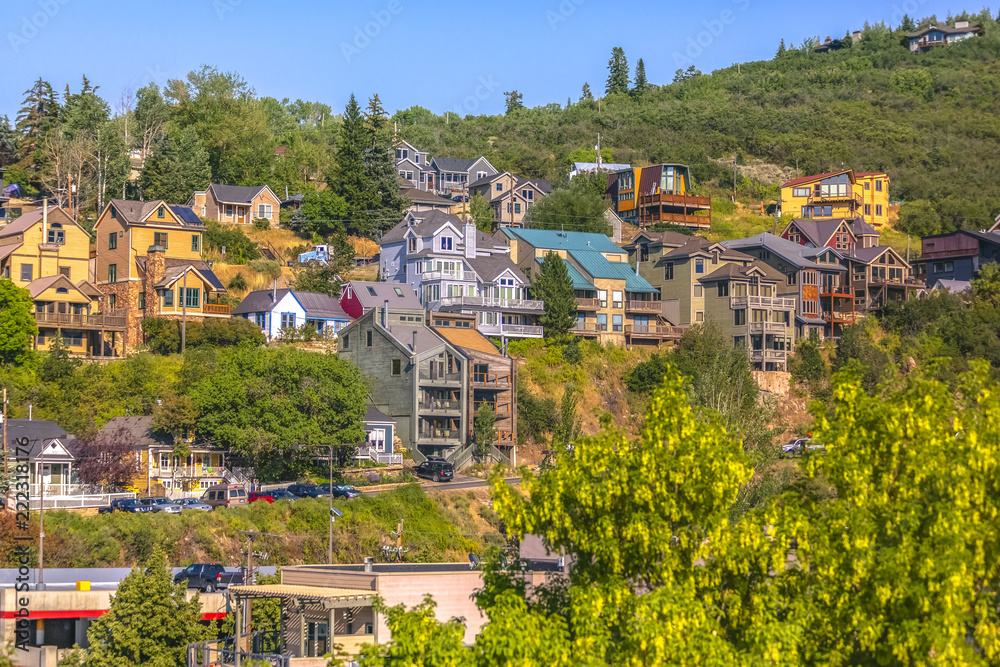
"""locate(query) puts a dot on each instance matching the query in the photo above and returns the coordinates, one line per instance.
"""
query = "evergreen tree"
(484, 429)
(617, 72)
(513, 101)
(585, 94)
(9, 140)
(163, 177)
(85, 112)
(640, 79)
(907, 24)
(112, 164)
(554, 287)
(39, 114)
(149, 622)
(385, 206)
(17, 325)
(481, 213)
(349, 179)
(781, 48)
(194, 162)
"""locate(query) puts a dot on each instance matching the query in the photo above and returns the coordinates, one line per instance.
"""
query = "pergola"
(299, 597)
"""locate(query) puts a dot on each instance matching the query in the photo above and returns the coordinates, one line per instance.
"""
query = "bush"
(268, 267)
(536, 416)
(163, 336)
(261, 224)
(239, 248)
(237, 282)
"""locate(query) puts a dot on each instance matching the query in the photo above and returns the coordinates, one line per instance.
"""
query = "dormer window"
(161, 213)
(447, 243)
(411, 245)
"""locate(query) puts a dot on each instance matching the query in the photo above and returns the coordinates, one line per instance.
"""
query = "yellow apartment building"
(838, 194)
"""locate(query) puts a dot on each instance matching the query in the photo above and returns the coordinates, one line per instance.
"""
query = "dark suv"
(307, 491)
(435, 469)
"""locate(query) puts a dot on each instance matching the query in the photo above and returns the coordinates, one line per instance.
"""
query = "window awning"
(329, 597)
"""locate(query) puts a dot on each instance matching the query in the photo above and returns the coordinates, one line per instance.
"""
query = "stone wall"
(774, 382)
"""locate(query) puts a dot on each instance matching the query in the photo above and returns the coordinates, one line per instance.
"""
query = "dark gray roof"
(947, 29)
(235, 194)
(869, 255)
(141, 428)
(317, 306)
(135, 212)
(427, 223)
(540, 183)
(740, 271)
(453, 163)
(696, 244)
(798, 255)
(424, 197)
(426, 339)
(39, 432)
(259, 301)
(674, 239)
(174, 268)
(375, 416)
(406, 299)
(490, 267)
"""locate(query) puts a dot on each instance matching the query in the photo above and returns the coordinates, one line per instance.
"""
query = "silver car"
(162, 505)
(193, 504)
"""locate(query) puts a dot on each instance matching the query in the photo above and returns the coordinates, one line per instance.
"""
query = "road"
(457, 484)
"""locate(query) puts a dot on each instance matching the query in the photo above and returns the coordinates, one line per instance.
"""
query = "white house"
(277, 309)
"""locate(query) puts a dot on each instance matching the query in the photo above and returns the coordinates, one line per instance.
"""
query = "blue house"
(380, 430)
(277, 309)
(956, 256)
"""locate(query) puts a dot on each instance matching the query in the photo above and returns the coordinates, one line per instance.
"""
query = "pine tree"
(163, 177)
(907, 24)
(149, 622)
(39, 114)
(513, 101)
(617, 72)
(9, 140)
(194, 162)
(554, 287)
(640, 79)
(586, 95)
(17, 325)
(781, 48)
(384, 204)
(83, 112)
(348, 178)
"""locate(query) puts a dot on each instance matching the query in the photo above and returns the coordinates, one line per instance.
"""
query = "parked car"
(193, 504)
(340, 490)
(436, 469)
(161, 504)
(208, 577)
(282, 494)
(307, 491)
(801, 446)
(225, 495)
(460, 198)
(266, 496)
(125, 505)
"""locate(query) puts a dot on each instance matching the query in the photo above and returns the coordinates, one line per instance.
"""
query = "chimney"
(385, 314)
(274, 291)
(369, 561)
(470, 240)
(156, 266)
(413, 345)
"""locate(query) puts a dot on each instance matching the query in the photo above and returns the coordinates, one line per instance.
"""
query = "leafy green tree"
(576, 207)
(149, 622)
(585, 94)
(264, 403)
(641, 84)
(325, 213)
(618, 73)
(482, 213)
(57, 364)
(553, 286)
(240, 249)
(427, 640)
(570, 426)
(919, 218)
(513, 101)
(484, 430)
(807, 363)
(17, 324)
(326, 278)
(986, 285)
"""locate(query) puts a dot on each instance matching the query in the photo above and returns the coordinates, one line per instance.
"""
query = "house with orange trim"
(838, 194)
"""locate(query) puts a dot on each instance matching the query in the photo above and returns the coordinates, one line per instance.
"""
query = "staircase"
(269, 252)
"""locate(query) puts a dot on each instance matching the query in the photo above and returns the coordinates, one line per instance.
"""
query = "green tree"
(177, 416)
(484, 430)
(781, 48)
(149, 622)
(585, 94)
(986, 285)
(553, 286)
(384, 206)
(482, 213)
(618, 73)
(348, 179)
(265, 403)
(907, 24)
(163, 177)
(194, 162)
(39, 115)
(570, 426)
(919, 218)
(807, 363)
(326, 278)
(512, 99)
(325, 213)
(576, 207)
(9, 140)
(17, 324)
(641, 84)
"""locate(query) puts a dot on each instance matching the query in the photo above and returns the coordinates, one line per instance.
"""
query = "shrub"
(237, 282)
(239, 248)
(163, 336)
(261, 224)
(268, 267)
(536, 416)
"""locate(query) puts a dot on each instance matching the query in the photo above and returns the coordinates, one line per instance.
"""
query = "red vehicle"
(260, 495)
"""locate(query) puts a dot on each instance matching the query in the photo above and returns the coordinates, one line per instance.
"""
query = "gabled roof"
(141, 428)
(468, 339)
(187, 215)
(39, 432)
(800, 256)
(28, 220)
(815, 177)
(418, 196)
(947, 29)
(490, 267)
(953, 286)
(738, 271)
(321, 306)
(696, 245)
(374, 295)
(376, 416)
(597, 265)
(606, 166)
(550, 239)
(819, 232)
(425, 223)
(237, 194)
(260, 301)
(869, 255)
(175, 269)
(39, 285)
(672, 239)
(139, 212)
(454, 163)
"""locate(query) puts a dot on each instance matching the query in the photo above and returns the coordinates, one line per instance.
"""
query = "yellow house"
(48, 253)
(838, 194)
(149, 264)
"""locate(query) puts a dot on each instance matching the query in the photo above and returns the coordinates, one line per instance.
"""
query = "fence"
(220, 653)
(74, 501)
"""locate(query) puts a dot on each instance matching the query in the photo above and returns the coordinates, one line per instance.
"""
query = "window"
(203, 210)
(699, 316)
(141, 301)
(699, 291)
(347, 340)
(739, 289)
(64, 271)
(26, 272)
(368, 339)
(114, 213)
(868, 186)
(801, 192)
(195, 243)
(397, 367)
(480, 174)
(791, 278)
(739, 317)
(499, 187)
(113, 240)
(616, 299)
(740, 341)
(168, 297)
(528, 194)
(878, 186)
(602, 322)
(411, 245)
(878, 209)
(404, 153)
(868, 209)
(939, 267)
(287, 320)
(644, 252)
(264, 211)
(517, 207)
(229, 210)
(56, 234)
(447, 243)
(794, 237)
(699, 266)
(193, 297)
(616, 322)
(112, 301)
(112, 273)
(668, 271)
(602, 296)
(160, 239)
(723, 289)
(260, 319)
(160, 213)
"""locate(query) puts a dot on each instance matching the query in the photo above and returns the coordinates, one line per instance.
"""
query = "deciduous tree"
(17, 325)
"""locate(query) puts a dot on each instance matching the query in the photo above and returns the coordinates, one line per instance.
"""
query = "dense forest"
(928, 120)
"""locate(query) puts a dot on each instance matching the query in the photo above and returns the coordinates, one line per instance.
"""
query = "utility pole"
(399, 540)
(329, 543)
(5, 465)
(41, 524)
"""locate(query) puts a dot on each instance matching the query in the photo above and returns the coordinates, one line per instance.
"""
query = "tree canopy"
(17, 324)
(553, 286)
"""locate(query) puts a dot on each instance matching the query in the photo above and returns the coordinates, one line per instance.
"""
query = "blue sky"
(458, 56)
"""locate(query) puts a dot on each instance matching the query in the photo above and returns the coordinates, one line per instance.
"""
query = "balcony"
(501, 410)
(915, 283)
(658, 331)
(439, 436)
(839, 289)
(440, 380)
(644, 307)
(589, 329)
(767, 328)
(768, 355)
(677, 201)
(430, 276)
(774, 303)
(96, 322)
(490, 303)
(588, 304)
(511, 330)
(839, 317)
(440, 406)
(490, 381)
(214, 309)
(187, 472)
(830, 198)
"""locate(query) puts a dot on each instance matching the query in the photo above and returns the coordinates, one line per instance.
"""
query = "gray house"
(454, 267)
(454, 175)
(414, 166)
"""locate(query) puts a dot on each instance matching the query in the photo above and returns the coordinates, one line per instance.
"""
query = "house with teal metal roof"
(614, 303)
